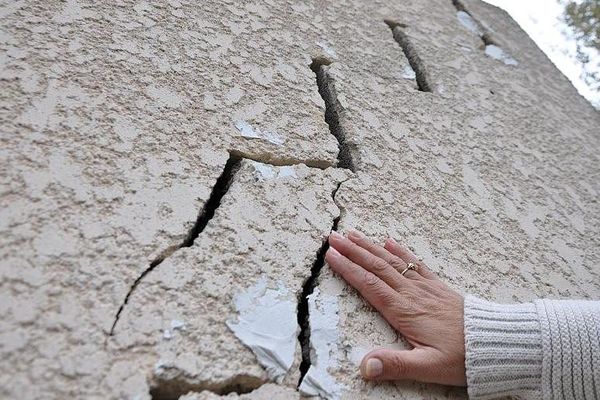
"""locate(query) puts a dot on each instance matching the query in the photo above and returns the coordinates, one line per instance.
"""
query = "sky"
(541, 20)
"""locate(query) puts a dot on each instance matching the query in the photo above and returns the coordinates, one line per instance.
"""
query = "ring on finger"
(410, 267)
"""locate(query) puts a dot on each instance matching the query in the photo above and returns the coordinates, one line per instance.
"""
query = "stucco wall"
(170, 170)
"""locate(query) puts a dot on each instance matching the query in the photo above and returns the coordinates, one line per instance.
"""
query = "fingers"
(405, 254)
(371, 287)
(362, 241)
(366, 260)
(420, 364)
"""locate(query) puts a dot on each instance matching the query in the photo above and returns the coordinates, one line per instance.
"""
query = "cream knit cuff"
(571, 346)
(503, 344)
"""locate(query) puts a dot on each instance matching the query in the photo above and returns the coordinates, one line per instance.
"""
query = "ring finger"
(405, 254)
(396, 262)
(366, 260)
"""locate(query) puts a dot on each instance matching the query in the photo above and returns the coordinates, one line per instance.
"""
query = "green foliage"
(583, 17)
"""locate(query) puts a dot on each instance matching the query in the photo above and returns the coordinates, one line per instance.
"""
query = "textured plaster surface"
(265, 392)
(289, 209)
(116, 119)
(496, 192)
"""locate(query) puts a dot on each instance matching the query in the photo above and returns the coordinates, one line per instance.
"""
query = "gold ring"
(410, 266)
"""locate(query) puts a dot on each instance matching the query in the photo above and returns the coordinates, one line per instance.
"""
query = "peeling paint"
(267, 325)
(495, 52)
(408, 72)
(468, 22)
(266, 171)
(248, 131)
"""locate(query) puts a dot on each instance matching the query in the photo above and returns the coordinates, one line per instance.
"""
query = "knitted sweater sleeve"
(549, 349)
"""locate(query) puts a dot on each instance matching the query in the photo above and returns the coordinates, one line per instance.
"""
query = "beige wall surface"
(170, 170)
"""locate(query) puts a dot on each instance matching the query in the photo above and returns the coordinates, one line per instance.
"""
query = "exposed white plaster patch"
(324, 340)
(267, 324)
(468, 22)
(491, 50)
(287, 171)
(408, 72)
(255, 133)
(266, 171)
(327, 48)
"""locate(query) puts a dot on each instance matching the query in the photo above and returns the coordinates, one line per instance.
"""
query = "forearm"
(547, 349)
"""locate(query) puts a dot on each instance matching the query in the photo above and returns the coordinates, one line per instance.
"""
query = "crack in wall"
(307, 289)
(208, 211)
(277, 161)
(320, 66)
(173, 389)
(485, 35)
(410, 51)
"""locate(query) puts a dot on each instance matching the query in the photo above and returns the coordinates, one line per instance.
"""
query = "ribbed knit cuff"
(503, 344)
(571, 343)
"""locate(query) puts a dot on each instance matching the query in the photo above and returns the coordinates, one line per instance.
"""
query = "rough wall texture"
(170, 170)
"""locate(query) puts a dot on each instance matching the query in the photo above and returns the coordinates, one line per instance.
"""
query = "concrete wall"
(170, 170)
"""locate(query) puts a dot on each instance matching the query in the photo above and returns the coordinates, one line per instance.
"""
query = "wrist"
(503, 349)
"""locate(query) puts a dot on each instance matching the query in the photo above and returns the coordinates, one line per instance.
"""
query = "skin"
(417, 304)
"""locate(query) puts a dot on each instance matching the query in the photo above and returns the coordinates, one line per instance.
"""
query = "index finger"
(380, 295)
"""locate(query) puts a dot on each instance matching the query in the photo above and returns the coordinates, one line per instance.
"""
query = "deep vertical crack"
(307, 289)
(410, 51)
(208, 211)
(326, 90)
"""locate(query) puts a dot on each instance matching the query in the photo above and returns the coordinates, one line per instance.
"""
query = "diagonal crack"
(485, 34)
(410, 51)
(307, 289)
(205, 215)
(326, 89)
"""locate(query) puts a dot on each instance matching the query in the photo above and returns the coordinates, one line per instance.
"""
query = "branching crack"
(205, 215)
(307, 289)
(319, 66)
(410, 51)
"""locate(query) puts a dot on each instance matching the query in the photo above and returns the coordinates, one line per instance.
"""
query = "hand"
(417, 304)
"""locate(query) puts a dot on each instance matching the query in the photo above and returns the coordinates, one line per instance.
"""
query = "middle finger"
(396, 262)
(366, 260)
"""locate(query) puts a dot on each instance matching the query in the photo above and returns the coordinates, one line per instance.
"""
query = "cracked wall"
(170, 171)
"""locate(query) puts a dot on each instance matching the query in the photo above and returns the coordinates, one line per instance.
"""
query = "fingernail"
(374, 368)
(333, 252)
(335, 235)
(356, 234)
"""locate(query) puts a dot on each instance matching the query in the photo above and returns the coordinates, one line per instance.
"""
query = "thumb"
(386, 364)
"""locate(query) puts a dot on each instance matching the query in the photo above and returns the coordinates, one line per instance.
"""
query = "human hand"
(417, 304)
